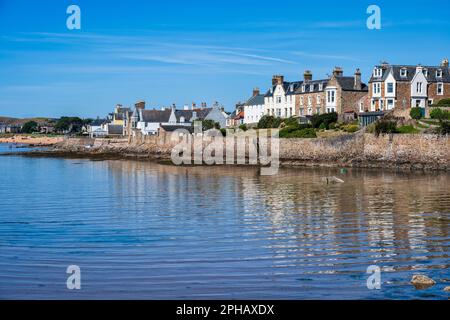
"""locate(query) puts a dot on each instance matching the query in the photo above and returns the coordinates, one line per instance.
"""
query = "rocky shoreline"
(399, 152)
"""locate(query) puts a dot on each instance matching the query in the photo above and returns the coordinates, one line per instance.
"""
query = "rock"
(447, 289)
(329, 180)
(422, 282)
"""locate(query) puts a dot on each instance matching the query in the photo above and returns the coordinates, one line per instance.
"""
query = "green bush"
(243, 127)
(407, 129)
(350, 128)
(223, 131)
(436, 113)
(416, 113)
(267, 122)
(444, 127)
(325, 118)
(385, 126)
(322, 126)
(298, 133)
(290, 122)
(444, 102)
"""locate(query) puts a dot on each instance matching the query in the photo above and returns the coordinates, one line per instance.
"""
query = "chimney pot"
(307, 76)
(277, 80)
(255, 92)
(338, 72)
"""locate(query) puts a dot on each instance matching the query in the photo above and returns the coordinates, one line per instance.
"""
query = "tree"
(69, 124)
(416, 113)
(385, 126)
(267, 122)
(326, 119)
(209, 124)
(30, 127)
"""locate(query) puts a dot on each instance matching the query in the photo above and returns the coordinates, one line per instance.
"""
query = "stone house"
(404, 86)
(339, 94)
(310, 96)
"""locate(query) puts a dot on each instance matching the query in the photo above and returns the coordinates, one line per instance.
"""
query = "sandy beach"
(30, 140)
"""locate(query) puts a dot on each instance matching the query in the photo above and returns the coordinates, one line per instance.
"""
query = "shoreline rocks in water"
(400, 152)
(421, 281)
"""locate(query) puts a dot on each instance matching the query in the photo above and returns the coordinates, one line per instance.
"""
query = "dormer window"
(320, 86)
(404, 73)
(291, 87)
(377, 72)
(439, 73)
(303, 88)
(311, 87)
(425, 72)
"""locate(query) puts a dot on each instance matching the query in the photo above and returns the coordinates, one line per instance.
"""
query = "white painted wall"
(419, 78)
(280, 105)
(252, 114)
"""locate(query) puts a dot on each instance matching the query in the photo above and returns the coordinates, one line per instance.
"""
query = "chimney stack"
(140, 105)
(255, 92)
(194, 105)
(444, 63)
(338, 72)
(277, 80)
(358, 84)
(384, 65)
(307, 76)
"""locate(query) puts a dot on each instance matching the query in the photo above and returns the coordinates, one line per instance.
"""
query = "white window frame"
(403, 73)
(390, 104)
(440, 85)
(439, 73)
(419, 87)
(387, 87)
(377, 72)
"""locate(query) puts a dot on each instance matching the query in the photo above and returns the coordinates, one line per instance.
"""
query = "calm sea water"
(141, 230)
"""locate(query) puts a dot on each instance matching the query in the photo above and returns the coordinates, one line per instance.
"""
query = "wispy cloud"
(322, 56)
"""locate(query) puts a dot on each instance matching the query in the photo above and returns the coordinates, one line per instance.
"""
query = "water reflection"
(161, 231)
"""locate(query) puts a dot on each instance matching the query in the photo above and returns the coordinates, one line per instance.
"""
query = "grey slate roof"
(187, 114)
(348, 84)
(171, 128)
(315, 84)
(412, 72)
(163, 116)
(155, 116)
(287, 86)
(255, 100)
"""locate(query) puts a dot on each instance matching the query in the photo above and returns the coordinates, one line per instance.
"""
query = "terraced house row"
(389, 87)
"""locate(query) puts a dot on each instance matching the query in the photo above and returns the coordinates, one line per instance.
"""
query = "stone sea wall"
(408, 151)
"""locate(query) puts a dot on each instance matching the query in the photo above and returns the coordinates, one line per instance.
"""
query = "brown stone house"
(403, 86)
(339, 94)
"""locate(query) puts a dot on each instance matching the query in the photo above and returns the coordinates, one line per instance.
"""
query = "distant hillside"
(17, 121)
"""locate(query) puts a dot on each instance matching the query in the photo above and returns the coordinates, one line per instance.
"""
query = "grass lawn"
(408, 129)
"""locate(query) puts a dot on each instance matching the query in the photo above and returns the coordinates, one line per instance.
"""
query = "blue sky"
(183, 51)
